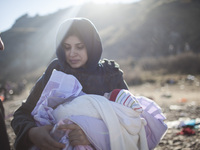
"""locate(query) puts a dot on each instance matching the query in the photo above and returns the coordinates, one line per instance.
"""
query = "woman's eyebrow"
(66, 44)
(79, 43)
(70, 44)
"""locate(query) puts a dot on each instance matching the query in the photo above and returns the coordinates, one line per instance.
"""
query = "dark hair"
(87, 33)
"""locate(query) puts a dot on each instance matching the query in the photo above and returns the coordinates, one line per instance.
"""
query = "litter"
(186, 131)
(184, 122)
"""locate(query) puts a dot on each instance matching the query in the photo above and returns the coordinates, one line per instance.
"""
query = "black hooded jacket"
(97, 77)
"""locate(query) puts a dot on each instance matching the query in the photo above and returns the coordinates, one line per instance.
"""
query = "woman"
(78, 52)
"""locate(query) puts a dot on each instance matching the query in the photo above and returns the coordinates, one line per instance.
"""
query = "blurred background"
(155, 42)
(146, 37)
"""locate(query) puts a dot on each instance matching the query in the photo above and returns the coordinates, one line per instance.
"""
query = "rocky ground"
(174, 141)
(179, 103)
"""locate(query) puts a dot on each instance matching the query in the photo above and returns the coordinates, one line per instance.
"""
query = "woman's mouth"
(74, 61)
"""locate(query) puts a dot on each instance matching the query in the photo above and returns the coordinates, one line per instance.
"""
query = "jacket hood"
(87, 33)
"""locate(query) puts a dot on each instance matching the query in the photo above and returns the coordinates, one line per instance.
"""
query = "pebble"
(171, 141)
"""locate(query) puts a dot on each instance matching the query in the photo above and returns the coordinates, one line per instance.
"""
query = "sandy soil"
(169, 97)
(169, 94)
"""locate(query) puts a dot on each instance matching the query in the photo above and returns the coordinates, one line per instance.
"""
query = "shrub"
(185, 63)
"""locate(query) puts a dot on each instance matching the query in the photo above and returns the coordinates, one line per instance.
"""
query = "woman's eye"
(80, 46)
(66, 47)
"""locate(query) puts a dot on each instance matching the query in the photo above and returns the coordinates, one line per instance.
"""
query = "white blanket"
(125, 126)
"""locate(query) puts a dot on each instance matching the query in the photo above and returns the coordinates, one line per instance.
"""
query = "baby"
(54, 97)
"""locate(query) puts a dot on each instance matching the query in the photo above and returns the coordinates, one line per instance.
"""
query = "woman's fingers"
(53, 144)
(68, 126)
(41, 138)
(76, 134)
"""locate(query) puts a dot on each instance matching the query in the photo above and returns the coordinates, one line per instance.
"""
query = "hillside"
(149, 28)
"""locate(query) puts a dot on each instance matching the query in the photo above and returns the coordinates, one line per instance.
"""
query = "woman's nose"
(72, 52)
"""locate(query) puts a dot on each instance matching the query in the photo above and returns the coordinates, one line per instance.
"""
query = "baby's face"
(107, 95)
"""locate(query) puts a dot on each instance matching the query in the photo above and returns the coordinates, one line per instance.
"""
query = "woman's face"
(75, 52)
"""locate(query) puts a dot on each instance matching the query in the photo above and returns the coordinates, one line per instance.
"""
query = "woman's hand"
(76, 135)
(40, 136)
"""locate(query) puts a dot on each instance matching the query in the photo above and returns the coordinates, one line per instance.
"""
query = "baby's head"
(125, 98)
(112, 95)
